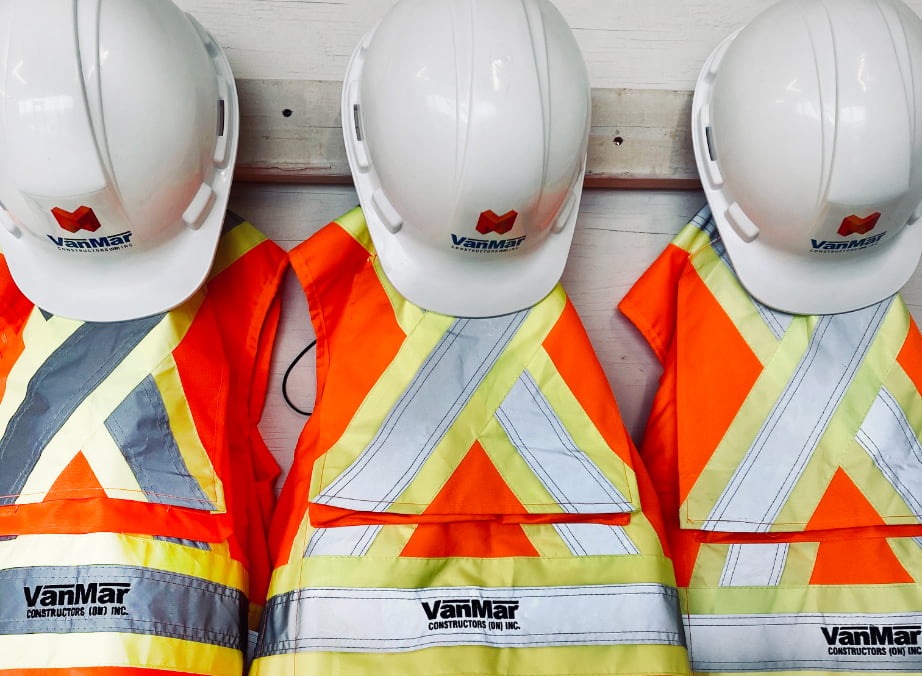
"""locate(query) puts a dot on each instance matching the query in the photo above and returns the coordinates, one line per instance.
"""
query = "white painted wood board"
(643, 44)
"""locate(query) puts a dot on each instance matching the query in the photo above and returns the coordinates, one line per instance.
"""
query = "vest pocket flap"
(97, 410)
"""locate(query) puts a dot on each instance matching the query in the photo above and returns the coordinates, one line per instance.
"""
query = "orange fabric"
(657, 325)
(842, 496)
(708, 333)
(108, 515)
(14, 310)
(567, 345)
(477, 539)
(864, 561)
(77, 480)
(852, 561)
(368, 343)
(722, 362)
(475, 488)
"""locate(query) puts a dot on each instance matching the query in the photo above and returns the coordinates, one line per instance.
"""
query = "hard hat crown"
(805, 131)
(466, 125)
(118, 129)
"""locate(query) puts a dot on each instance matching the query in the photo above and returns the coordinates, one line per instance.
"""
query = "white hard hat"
(118, 133)
(807, 131)
(466, 124)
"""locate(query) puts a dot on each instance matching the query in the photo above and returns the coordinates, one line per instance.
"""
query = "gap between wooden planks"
(290, 133)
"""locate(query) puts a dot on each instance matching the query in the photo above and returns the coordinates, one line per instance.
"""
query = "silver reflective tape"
(564, 469)
(595, 539)
(59, 386)
(891, 442)
(341, 541)
(756, 564)
(424, 412)
(140, 427)
(807, 641)
(196, 544)
(122, 599)
(398, 620)
(764, 479)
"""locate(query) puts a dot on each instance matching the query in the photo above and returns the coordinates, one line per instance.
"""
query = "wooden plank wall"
(643, 58)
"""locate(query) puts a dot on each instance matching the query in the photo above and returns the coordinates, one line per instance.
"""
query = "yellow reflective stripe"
(33, 651)
(102, 549)
(110, 467)
(183, 428)
(234, 244)
(692, 238)
(407, 314)
(409, 573)
(851, 598)
(382, 568)
(391, 540)
(548, 661)
(799, 562)
(739, 306)
(353, 222)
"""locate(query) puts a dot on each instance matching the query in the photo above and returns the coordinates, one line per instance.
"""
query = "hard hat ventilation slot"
(222, 117)
(8, 223)
(357, 122)
(709, 139)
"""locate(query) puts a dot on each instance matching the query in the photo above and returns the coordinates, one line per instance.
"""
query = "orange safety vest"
(134, 485)
(786, 453)
(464, 496)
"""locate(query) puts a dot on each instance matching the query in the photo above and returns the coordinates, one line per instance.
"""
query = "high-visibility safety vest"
(787, 456)
(464, 497)
(134, 486)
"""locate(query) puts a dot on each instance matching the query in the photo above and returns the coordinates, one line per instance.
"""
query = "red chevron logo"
(855, 225)
(490, 222)
(74, 221)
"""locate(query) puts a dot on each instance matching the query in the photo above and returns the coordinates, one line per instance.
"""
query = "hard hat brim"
(787, 282)
(88, 288)
(438, 281)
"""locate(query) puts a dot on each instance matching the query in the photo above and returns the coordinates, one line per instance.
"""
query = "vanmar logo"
(473, 613)
(473, 245)
(893, 640)
(827, 246)
(76, 600)
(856, 225)
(83, 218)
(94, 244)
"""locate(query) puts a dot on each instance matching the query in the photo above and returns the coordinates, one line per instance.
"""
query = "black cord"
(288, 373)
